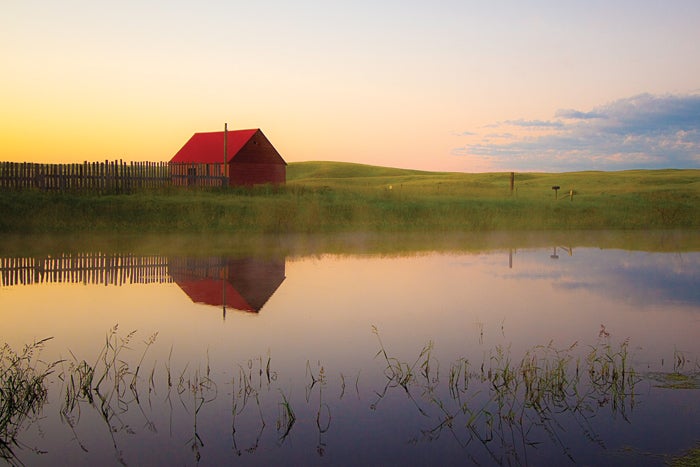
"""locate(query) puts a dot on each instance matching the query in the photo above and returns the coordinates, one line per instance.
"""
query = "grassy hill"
(299, 171)
(345, 197)
(668, 186)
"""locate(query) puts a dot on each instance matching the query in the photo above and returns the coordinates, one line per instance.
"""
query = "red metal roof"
(208, 148)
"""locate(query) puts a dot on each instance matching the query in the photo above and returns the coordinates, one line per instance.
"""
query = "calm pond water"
(568, 350)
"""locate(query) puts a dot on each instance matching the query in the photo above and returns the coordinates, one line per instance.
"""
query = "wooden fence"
(86, 268)
(108, 269)
(105, 177)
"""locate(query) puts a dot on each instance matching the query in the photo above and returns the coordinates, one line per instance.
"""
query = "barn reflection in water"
(244, 284)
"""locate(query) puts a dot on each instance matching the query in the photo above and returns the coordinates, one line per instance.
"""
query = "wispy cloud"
(644, 131)
(534, 123)
(577, 114)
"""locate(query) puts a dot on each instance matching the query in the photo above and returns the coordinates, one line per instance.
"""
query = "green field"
(322, 197)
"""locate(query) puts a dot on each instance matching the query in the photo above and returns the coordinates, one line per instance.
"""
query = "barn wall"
(256, 279)
(257, 173)
(258, 162)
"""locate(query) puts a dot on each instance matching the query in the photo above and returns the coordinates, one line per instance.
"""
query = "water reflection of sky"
(465, 302)
(318, 311)
(642, 279)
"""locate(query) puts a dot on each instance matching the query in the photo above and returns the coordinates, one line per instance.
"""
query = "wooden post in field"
(556, 190)
(512, 182)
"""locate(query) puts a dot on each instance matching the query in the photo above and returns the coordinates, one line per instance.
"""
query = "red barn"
(250, 159)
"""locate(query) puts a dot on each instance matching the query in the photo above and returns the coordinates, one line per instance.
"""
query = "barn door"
(191, 176)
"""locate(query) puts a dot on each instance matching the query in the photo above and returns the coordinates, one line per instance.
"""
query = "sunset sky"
(446, 85)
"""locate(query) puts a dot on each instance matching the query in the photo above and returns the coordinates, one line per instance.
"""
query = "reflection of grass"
(403, 373)
(680, 377)
(286, 419)
(109, 385)
(502, 405)
(689, 459)
(517, 401)
(22, 392)
(375, 243)
(675, 380)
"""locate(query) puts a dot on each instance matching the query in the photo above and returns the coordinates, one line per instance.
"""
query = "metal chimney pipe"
(225, 180)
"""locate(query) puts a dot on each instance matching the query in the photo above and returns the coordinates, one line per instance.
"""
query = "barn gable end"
(257, 162)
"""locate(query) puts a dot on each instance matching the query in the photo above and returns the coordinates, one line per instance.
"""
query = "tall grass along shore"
(322, 197)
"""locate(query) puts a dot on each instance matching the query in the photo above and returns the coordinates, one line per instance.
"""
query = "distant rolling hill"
(320, 169)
